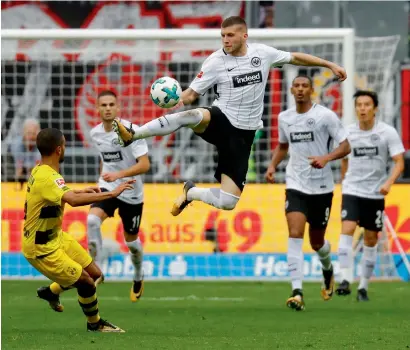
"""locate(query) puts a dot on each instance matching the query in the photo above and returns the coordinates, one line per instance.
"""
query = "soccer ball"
(165, 92)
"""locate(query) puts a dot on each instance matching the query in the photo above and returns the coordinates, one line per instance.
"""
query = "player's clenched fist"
(340, 72)
(270, 174)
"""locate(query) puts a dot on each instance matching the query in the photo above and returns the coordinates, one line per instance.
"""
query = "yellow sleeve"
(54, 188)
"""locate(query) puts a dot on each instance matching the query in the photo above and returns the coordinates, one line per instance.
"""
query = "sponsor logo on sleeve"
(60, 182)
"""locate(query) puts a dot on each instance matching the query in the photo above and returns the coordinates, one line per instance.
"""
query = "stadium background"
(183, 247)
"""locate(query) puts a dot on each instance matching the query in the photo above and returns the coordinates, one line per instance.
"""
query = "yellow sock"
(90, 307)
(56, 288)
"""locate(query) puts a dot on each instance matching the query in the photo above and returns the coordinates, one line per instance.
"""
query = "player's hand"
(385, 189)
(110, 177)
(126, 185)
(92, 189)
(270, 174)
(340, 72)
(318, 162)
(179, 105)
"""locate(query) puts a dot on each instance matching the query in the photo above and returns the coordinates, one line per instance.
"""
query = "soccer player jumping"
(308, 131)
(239, 73)
(54, 253)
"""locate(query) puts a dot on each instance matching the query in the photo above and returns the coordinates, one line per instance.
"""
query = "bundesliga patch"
(200, 74)
(60, 182)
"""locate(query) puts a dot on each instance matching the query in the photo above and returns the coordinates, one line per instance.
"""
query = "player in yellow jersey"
(47, 248)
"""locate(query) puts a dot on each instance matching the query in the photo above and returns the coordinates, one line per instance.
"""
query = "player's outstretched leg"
(136, 253)
(161, 126)
(213, 196)
(87, 298)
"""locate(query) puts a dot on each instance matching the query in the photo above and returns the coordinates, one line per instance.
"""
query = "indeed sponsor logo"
(112, 156)
(247, 79)
(302, 136)
(365, 151)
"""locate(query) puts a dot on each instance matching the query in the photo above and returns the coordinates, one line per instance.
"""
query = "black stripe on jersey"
(224, 52)
(240, 104)
(50, 212)
(254, 88)
(42, 237)
(230, 83)
(329, 142)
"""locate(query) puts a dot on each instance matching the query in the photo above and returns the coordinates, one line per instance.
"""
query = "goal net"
(53, 77)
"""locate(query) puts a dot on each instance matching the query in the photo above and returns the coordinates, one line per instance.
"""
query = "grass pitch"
(210, 315)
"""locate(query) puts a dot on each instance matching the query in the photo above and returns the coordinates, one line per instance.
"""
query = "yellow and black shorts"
(63, 266)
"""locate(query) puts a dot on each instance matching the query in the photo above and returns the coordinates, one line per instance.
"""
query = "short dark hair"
(106, 93)
(371, 94)
(48, 140)
(231, 21)
(304, 76)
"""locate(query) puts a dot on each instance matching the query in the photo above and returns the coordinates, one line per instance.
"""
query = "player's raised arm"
(76, 199)
(304, 59)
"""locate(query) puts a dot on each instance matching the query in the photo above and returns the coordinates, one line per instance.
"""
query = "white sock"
(213, 196)
(295, 261)
(324, 256)
(345, 253)
(94, 238)
(168, 123)
(368, 262)
(137, 254)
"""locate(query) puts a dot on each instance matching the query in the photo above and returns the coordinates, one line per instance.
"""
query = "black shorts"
(233, 145)
(368, 213)
(130, 213)
(316, 207)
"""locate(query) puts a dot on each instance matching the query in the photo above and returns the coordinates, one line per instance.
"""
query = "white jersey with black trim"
(367, 167)
(115, 158)
(310, 134)
(239, 82)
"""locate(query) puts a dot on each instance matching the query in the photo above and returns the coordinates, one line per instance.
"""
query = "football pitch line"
(166, 299)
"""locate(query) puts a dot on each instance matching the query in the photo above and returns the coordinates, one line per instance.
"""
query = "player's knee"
(227, 201)
(85, 282)
(316, 246)
(135, 246)
(370, 238)
(93, 222)
(94, 271)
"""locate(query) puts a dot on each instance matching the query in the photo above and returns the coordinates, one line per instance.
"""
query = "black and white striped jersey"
(368, 161)
(239, 82)
(115, 158)
(310, 134)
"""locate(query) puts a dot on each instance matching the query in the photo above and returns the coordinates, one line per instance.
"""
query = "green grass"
(183, 315)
